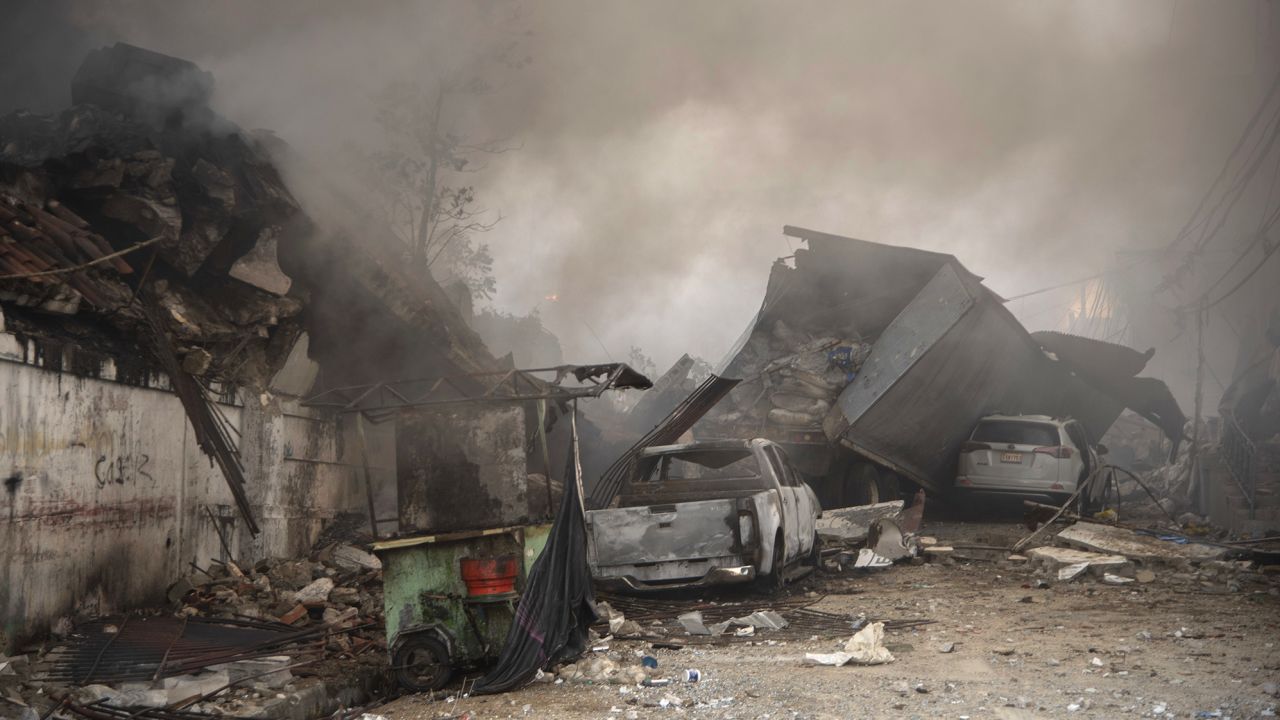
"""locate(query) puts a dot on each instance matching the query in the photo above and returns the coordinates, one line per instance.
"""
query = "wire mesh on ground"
(141, 648)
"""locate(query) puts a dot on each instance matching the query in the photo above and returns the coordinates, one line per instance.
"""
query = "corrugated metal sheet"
(953, 355)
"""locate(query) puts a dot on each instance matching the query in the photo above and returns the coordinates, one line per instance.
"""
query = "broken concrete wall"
(462, 467)
(107, 498)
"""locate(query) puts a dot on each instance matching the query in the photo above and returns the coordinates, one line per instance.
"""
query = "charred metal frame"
(380, 401)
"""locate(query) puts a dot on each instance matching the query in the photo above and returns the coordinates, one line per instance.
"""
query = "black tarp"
(557, 607)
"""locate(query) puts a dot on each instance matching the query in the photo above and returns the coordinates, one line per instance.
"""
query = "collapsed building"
(168, 302)
(872, 363)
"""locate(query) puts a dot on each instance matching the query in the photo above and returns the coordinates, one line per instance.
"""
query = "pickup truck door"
(790, 504)
(807, 508)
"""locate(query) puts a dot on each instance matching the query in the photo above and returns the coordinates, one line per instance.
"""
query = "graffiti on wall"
(121, 469)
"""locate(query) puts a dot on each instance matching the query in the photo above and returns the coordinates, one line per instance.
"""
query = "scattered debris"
(866, 647)
(850, 525)
(1069, 563)
(692, 622)
(867, 558)
(238, 642)
(889, 540)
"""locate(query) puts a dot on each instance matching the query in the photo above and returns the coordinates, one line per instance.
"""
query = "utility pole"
(1194, 453)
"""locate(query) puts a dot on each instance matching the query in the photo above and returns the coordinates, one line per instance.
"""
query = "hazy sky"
(663, 145)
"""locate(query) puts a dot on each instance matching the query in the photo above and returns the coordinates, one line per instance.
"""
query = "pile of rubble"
(250, 642)
(792, 380)
(139, 194)
(341, 588)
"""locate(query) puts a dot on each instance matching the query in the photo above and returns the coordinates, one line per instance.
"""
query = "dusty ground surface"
(1191, 643)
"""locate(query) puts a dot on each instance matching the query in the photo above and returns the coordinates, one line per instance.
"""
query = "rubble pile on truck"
(796, 389)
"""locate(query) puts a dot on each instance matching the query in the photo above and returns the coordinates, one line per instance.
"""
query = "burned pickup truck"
(704, 513)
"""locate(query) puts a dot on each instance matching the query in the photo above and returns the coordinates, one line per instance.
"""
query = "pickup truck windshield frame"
(730, 468)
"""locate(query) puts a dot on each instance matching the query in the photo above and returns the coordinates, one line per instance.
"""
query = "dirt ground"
(1191, 643)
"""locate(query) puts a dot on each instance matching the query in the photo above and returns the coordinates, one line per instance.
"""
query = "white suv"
(1027, 456)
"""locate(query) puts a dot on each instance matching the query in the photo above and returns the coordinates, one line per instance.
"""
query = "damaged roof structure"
(139, 223)
(147, 243)
(141, 165)
(939, 351)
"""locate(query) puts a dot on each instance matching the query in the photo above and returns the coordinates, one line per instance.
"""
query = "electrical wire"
(1270, 251)
(1077, 281)
(1246, 176)
(1248, 130)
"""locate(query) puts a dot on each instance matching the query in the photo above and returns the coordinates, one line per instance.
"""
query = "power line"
(1077, 281)
(1248, 130)
(1270, 251)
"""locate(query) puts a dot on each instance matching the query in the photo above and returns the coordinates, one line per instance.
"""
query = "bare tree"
(423, 186)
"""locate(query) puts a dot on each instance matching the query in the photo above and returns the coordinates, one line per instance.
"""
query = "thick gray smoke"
(662, 145)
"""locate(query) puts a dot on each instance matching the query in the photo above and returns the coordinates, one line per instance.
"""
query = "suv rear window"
(1016, 433)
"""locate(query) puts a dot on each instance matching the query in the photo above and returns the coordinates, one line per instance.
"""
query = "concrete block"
(1119, 541)
(272, 672)
(316, 592)
(1056, 558)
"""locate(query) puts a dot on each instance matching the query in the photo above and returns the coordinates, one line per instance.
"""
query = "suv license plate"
(1011, 457)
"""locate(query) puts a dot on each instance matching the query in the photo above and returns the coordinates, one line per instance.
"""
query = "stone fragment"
(297, 613)
(333, 616)
(259, 266)
(349, 557)
(315, 593)
(345, 596)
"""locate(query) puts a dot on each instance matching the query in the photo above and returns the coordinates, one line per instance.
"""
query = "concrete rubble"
(164, 170)
(339, 593)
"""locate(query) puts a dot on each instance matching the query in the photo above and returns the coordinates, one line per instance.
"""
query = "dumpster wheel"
(422, 664)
